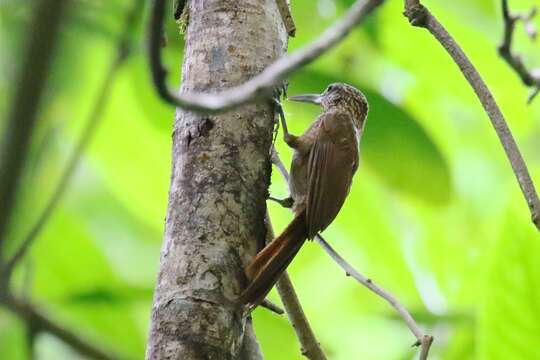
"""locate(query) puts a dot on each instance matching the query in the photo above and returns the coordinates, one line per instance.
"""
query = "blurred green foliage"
(435, 214)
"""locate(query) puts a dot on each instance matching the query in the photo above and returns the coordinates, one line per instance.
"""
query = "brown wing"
(331, 165)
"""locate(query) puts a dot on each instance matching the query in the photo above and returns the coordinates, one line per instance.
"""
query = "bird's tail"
(271, 262)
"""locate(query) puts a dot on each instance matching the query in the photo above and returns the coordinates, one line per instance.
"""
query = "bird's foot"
(286, 203)
(290, 140)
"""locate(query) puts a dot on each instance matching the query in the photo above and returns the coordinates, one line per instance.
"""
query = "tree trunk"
(220, 175)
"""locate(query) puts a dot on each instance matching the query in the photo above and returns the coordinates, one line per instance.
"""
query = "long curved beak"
(310, 98)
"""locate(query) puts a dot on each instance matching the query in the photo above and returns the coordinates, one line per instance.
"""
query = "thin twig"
(260, 86)
(419, 15)
(267, 304)
(311, 348)
(40, 322)
(425, 345)
(123, 47)
(42, 37)
(505, 49)
(423, 340)
(350, 271)
(251, 349)
(533, 95)
(276, 160)
(306, 337)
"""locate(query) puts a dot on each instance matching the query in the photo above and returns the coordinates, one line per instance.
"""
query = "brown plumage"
(324, 162)
(271, 261)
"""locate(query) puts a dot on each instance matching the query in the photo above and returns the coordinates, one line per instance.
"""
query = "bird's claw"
(280, 90)
(286, 203)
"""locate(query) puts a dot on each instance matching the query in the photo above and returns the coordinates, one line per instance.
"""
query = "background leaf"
(510, 313)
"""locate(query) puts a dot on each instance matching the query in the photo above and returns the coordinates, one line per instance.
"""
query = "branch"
(123, 50)
(251, 349)
(422, 340)
(505, 49)
(42, 37)
(260, 86)
(286, 16)
(306, 337)
(41, 322)
(270, 306)
(419, 15)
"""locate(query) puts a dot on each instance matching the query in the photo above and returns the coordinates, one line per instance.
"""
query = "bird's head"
(341, 96)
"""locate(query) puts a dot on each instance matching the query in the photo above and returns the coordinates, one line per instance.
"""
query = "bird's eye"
(330, 88)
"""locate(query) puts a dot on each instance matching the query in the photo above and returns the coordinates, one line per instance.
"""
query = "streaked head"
(343, 96)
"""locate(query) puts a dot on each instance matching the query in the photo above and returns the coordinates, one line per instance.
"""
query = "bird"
(324, 162)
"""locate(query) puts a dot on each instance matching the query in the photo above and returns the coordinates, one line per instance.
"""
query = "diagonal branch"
(529, 78)
(123, 50)
(260, 86)
(40, 322)
(422, 340)
(419, 15)
(21, 118)
(310, 346)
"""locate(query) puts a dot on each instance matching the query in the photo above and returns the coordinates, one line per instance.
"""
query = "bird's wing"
(332, 162)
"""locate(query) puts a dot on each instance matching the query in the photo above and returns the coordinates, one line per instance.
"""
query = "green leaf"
(110, 296)
(394, 144)
(370, 26)
(400, 151)
(68, 261)
(132, 151)
(12, 337)
(510, 311)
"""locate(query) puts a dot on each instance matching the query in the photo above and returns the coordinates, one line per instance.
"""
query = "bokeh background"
(435, 214)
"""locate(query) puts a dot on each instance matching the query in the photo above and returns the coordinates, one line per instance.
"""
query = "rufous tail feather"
(271, 262)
